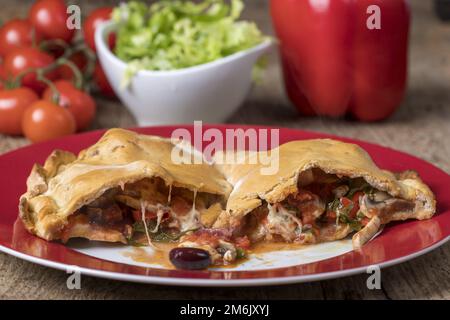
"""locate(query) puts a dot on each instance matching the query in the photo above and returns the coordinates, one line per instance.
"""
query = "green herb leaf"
(343, 218)
(355, 225)
(240, 253)
(334, 205)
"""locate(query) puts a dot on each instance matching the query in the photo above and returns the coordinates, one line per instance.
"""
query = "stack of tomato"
(47, 72)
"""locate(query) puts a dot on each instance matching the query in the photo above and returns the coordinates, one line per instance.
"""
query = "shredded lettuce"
(172, 35)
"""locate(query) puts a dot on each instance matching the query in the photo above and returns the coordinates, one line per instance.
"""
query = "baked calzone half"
(127, 189)
(324, 190)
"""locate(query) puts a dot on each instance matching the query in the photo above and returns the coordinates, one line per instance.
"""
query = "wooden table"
(421, 127)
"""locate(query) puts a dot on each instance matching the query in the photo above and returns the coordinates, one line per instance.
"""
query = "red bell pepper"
(333, 64)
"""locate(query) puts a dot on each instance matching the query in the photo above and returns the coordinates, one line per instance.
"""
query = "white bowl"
(209, 92)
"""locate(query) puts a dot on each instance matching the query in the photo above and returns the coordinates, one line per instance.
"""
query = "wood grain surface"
(420, 127)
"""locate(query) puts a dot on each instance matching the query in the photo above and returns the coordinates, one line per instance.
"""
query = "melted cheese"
(169, 197)
(159, 215)
(282, 222)
(143, 211)
(191, 220)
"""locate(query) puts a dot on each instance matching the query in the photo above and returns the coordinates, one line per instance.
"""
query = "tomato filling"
(139, 212)
(148, 211)
(327, 208)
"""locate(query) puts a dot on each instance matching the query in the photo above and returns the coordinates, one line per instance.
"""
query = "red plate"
(397, 243)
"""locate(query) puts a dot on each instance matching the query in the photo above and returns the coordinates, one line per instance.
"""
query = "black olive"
(190, 258)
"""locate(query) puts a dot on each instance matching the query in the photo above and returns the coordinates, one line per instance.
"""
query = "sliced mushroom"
(230, 251)
(379, 196)
(386, 207)
(340, 191)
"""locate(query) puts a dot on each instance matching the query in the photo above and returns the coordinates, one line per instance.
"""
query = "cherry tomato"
(78, 102)
(24, 58)
(17, 33)
(45, 120)
(13, 104)
(97, 17)
(66, 73)
(102, 82)
(49, 17)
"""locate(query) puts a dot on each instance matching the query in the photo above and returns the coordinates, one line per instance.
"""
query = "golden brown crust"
(65, 183)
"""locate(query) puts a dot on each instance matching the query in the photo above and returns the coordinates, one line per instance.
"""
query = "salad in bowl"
(180, 61)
